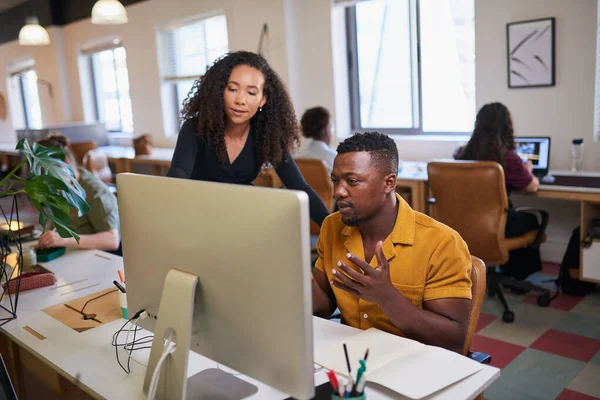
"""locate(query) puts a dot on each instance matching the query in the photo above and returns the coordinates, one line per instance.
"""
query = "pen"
(347, 361)
(342, 388)
(349, 386)
(359, 374)
(121, 276)
(118, 285)
(333, 380)
(360, 386)
(366, 355)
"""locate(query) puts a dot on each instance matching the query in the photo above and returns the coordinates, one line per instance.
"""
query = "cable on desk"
(96, 298)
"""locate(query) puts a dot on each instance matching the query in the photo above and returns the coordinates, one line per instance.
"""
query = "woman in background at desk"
(493, 140)
(99, 228)
(239, 118)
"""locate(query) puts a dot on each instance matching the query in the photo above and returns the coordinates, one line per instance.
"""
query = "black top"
(195, 158)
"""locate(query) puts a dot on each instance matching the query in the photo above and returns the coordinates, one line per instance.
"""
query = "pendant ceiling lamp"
(33, 34)
(109, 12)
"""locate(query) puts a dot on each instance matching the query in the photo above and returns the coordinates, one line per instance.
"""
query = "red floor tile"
(550, 268)
(567, 345)
(484, 320)
(562, 302)
(571, 395)
(502, 353)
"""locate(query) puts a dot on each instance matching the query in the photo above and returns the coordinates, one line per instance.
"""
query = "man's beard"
(352, 221)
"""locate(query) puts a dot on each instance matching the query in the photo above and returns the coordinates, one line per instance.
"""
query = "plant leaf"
(52, 187)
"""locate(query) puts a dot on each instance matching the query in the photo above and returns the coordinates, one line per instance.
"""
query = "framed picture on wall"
(531, 53)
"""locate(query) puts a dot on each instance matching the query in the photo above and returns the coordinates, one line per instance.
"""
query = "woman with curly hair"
(237, 119)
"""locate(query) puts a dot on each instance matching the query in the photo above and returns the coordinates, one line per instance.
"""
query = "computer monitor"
(536, 150)
(250, 249)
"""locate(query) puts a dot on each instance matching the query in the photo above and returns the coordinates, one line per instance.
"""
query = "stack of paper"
(405, 366)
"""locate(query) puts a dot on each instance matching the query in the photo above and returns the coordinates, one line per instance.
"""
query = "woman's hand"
(51, 239)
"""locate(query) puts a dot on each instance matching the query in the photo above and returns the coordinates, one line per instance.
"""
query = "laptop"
(536, 150)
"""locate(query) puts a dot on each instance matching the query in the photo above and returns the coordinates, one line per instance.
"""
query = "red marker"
(333, 380)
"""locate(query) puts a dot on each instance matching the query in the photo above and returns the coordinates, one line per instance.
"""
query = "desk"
(589, 200)
(123, 157)
(89, 356)
(413, 175)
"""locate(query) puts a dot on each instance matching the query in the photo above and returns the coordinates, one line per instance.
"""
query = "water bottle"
(577, 155)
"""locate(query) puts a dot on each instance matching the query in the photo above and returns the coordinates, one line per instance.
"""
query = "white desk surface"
(90, 356)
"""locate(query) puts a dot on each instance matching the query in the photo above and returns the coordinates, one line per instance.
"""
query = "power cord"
(95, 298)
(136, 344)
(169, 348)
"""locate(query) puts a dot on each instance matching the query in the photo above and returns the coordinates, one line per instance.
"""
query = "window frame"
(417, 97)
(94, 93)
(25, 109)
(169, 81)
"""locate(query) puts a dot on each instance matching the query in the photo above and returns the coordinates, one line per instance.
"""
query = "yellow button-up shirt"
(428, 261)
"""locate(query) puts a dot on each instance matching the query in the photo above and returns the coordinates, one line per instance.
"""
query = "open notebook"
(405, 366)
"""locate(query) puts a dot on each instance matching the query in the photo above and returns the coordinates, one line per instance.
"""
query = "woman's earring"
(259, 109)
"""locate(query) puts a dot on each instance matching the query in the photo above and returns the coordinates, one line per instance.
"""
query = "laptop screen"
(536, 150)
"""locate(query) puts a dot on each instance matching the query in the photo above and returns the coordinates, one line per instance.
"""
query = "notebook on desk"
(405, 366)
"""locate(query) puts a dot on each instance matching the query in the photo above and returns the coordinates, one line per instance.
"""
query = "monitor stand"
(175, 316)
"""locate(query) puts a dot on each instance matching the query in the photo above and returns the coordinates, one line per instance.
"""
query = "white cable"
(168, 349)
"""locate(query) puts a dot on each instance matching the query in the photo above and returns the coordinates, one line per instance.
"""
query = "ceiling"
(6, 4)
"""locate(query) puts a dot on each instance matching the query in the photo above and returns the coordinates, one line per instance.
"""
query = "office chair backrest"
(318, 178)
(142, 145)
(470, 197)
(97, 163)
(80, 149)
(478, 282)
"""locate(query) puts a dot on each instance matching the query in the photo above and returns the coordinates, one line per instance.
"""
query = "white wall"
(563, 112)
(55, 106)
(58, 62)
(244, 23)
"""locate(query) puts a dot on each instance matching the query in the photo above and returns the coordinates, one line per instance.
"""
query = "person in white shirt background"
(316, 127)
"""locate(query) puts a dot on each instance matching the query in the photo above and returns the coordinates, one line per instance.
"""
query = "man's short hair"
(383, 150)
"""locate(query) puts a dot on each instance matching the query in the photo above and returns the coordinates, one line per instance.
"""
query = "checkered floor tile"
(547, 352)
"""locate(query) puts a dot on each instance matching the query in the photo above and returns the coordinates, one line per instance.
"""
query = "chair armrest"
(543, 225)
(481, 358)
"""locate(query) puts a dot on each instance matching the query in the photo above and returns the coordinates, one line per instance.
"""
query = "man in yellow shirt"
(416, 282)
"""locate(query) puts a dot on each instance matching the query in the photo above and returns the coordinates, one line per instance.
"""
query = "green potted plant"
(53, 190)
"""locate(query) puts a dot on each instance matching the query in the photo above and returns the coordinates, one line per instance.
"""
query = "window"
(27, 112)
(111, 89)
(188, 49)
(412, 65)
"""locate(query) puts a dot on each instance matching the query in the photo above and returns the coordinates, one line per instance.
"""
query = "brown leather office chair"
(142, 145)
(470, 197)
(478, 285)
(318, 178)
(80, 149)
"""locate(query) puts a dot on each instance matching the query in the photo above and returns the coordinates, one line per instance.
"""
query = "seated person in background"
(415, 281)
(316, 126)
(493, 140)
(99, 228)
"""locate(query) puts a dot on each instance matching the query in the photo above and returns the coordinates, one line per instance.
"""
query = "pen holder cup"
(123, 304)
(362, 396)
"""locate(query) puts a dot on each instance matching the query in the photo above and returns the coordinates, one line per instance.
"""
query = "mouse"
(548, 179)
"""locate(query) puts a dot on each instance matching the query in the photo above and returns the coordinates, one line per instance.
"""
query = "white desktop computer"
(231, 265)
